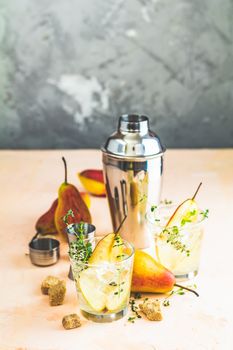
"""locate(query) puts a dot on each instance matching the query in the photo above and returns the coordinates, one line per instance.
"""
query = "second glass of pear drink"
(178, 233)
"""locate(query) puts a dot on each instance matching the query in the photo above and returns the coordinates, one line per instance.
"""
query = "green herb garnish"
(188, 217)
(205, 213)
(179, 291)
(78, 250)
(137, 295)
(113, 284)
(134, 307)
(166, 303)
(153, 207)
(173, 236)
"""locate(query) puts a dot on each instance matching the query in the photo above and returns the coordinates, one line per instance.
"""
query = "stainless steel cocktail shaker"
(133, 167)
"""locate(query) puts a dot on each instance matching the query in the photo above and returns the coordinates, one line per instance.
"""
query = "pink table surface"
(29, 183)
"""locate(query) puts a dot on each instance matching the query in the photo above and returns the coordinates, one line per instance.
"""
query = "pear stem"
(189, 289)
(120, 226)
(65, 165)
(197, 190)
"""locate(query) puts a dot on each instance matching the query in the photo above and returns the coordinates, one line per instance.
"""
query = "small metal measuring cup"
(73, 230)
(44, 251)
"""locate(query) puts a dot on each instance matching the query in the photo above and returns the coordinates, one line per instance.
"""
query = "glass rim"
(111, 262)
(75, 224)
(193, 224)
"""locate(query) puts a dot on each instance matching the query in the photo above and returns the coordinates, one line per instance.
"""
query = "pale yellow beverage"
(177, 247)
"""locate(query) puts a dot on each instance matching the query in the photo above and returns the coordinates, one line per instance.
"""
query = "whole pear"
(70, 198)
(149, 275)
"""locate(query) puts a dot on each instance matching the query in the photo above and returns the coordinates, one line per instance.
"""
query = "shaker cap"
(133, 139)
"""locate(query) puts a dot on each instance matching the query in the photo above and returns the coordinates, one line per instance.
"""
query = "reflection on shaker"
(117, 204)
(124, 196)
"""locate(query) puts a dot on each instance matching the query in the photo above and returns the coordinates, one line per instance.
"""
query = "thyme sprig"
(78, 249)
(134, 310)
(153, 208)
(172, 234)
(181, 290)
(134, 307)
(174, 237)
(188, 217)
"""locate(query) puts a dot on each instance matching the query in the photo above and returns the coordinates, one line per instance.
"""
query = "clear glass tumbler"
(176, 247)
(104, 289)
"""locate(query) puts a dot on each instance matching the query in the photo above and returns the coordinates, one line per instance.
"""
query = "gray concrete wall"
(69, 68)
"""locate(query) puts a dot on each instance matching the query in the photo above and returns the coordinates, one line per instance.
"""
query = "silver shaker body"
(133, 167)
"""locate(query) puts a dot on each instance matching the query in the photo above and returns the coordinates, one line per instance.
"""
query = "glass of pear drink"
(102, 270)
(178, 233)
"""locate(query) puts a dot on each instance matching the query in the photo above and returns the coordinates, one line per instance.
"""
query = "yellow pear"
(149, 275)
(70, 198)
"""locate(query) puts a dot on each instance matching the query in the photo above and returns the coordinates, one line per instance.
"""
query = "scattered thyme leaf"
(131, 319)
(205, 213)
(117, 245)
(153, 207)
(113, 284)
(134, 308)
(120, 256)
(137, 295)
(166, 303)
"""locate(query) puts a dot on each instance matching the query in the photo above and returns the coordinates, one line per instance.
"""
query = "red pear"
(46, 224)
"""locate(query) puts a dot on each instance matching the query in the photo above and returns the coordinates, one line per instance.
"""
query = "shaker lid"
(133, 138)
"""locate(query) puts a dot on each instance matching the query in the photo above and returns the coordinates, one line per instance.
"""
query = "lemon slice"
(92, 289)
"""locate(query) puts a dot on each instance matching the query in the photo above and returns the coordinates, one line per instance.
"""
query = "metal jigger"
(72, 230)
